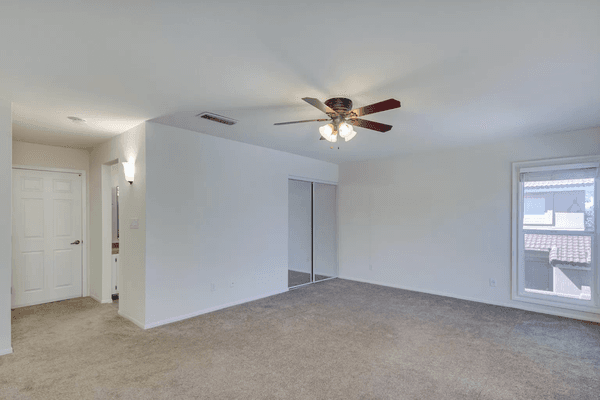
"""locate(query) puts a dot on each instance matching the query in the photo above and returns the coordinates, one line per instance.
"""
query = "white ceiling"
(464, 71)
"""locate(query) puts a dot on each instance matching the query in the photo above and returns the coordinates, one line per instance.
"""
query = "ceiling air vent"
(217, 118)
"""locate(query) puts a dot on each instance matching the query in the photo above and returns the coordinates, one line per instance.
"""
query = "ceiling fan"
(343, 117)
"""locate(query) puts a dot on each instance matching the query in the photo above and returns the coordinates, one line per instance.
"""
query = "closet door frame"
(312, 215)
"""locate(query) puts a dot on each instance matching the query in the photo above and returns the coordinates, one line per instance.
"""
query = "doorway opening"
(110, 231)
(114, 196)
(312, 232)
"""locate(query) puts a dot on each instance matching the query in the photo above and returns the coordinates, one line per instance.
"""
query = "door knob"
(76, 242)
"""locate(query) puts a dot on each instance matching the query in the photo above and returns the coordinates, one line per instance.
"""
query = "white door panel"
(46, 221)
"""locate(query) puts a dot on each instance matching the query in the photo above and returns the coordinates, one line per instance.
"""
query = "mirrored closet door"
(312, 237)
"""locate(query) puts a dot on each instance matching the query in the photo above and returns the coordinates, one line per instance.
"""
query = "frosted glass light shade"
(350, 136)
(345, 129)
(129, 170)
(327, 132)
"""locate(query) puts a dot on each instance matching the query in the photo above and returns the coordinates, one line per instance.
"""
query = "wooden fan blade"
(321, 106)
(363, 123)
(374, 108)
(298, 122)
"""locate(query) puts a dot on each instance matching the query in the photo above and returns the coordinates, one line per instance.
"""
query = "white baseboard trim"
(135, 321)
(560, 312)
(211, 309)
(4, 352)
(100, 301)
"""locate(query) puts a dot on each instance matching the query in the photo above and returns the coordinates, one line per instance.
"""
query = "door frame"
(84, 216)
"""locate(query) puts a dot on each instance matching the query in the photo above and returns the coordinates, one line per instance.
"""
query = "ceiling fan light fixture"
(328, 133)
(345, 130)
(344, 118)
(350, 136)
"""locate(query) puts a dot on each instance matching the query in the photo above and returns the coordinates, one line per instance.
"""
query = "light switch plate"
(134, 223)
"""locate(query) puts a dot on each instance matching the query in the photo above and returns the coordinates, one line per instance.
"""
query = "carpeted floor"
(333, 340)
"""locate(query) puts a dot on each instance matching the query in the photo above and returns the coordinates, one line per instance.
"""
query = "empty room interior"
(299, 200)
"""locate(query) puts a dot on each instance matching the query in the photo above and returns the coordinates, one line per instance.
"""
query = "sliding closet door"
(324, 232)
(300, 232)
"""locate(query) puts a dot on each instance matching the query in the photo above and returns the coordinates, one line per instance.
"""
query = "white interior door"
(47, 233)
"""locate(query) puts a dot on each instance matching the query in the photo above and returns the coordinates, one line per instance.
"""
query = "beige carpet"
(332, 340)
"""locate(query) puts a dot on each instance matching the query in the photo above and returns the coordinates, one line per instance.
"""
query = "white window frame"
(517, 254)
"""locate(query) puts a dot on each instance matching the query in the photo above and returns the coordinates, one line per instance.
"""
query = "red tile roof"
(564, 249)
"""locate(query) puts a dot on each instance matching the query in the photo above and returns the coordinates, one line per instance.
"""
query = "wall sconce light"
(129, 169)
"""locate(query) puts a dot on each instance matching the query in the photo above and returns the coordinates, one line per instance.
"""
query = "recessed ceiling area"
(465, 71)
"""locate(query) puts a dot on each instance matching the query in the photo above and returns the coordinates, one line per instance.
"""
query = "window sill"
(586, 297)
(558, 302)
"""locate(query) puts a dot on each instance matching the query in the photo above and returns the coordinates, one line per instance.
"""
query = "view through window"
(557, 233)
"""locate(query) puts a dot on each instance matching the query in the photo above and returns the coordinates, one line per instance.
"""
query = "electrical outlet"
(212, 287)
(492, 282)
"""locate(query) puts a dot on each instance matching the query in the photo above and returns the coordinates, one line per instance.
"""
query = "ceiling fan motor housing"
(341, 105)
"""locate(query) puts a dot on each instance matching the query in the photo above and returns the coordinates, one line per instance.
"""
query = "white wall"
(129, 146)
(40, 155)
(217, 212)
(5, 225)
(440, 222)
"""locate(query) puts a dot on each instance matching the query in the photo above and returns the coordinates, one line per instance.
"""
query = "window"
(554, 232)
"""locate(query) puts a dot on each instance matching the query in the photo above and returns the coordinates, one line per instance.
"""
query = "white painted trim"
(85, 283)
(135, 321)
(557, 161)
(514, 231)
(99, 300)
(6, 351)
(106, 229)
(580, 165)
(211, 309)
(305, 179)
(555, 302)
(560, 312)
(48, 169)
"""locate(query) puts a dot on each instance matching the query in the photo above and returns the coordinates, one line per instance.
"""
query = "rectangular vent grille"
(217, 118)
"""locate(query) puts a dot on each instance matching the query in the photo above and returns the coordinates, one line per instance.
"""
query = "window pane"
(559, 265)
(538, 209)
(559, 205)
